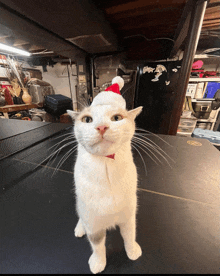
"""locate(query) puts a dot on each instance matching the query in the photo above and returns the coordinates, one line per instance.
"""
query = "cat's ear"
(135, 112)
(73, 114)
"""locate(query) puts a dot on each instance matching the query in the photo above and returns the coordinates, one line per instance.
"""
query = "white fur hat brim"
(109, 98)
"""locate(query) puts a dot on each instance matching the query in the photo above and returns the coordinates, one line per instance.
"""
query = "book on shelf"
(211, 89)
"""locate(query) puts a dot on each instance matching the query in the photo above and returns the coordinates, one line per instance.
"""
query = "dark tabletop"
(177, 219)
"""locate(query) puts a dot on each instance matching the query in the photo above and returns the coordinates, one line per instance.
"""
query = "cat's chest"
(106, 171)
(105, 188)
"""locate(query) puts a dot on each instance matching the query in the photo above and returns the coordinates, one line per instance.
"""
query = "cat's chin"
(102, 148)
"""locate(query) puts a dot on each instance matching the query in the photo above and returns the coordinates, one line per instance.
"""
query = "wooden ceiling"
(145, 29)
(210, 33)
(152, 19)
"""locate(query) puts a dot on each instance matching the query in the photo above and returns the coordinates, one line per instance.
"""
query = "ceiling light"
(13, 50)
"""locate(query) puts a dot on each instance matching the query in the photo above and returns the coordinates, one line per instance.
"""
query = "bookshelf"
(195, 93)
(204, 79)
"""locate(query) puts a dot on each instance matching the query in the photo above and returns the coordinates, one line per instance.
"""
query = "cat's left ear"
(73, 114)
(135, 112)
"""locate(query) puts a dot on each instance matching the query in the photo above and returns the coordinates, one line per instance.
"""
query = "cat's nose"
(102, 129)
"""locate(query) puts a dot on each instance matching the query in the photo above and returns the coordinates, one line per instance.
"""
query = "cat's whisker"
(141, 158)
(84, 102)
(143, 148)
(152, 147)
(143, 145)
(67, 138)
(152, 144)
(54, 153)
(54, 156)
(147, 145)
(141, 129)
(64, 158)
(54, 138)
(58, 151)
(72, 142)
(83, 105)
(159, 148)
(156, 148)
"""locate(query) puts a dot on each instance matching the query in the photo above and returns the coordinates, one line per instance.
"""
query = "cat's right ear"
(73, 114)
(135, 112)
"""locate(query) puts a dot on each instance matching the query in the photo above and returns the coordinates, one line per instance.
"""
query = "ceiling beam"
(183, 27)
(24, 28)
(69, 20)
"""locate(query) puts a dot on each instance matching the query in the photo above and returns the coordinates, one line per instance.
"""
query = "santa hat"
(111, 95)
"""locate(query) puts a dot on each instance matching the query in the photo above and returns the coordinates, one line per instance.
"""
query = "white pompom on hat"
(111, 95)
(119, 81)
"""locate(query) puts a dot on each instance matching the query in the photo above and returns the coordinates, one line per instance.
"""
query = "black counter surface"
(177, 220)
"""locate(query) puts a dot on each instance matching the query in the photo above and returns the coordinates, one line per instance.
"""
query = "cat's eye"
(117, 118)
(87, 119)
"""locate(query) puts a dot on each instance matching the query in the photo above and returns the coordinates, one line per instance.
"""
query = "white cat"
(105, 174)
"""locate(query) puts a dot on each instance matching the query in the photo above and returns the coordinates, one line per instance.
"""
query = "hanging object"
(12, 66)
(16, 87)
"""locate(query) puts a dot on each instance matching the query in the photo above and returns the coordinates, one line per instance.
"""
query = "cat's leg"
(79, 230)
(97, 261)
(128, 232)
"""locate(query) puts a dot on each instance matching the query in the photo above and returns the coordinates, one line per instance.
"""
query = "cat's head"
(103, 129)
(106, 125)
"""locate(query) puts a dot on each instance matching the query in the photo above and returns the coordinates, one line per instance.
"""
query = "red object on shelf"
(196, 70)
(197, 64)
(8, 97)
(208, 74)
(2, 57)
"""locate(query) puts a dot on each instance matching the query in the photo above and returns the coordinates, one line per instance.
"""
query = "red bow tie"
(112, 156)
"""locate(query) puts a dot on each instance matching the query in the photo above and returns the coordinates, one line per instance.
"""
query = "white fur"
(106, 188)
(109, 98)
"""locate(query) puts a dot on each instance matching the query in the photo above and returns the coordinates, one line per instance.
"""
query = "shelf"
(184, 133)
(18, 107)
(202, 100)
(204, 79)
(206, 120)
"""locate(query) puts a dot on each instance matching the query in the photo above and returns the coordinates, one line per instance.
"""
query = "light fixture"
(13, 50)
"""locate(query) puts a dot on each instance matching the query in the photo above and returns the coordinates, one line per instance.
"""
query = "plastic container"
(204, 125)
(37, 114)
(187, 122)
(186, 125)
(185, 129)
(39, 93)
(212, 136)
(57, 104)
(202, 109)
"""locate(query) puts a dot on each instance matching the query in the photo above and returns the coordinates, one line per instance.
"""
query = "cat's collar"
(112, 156)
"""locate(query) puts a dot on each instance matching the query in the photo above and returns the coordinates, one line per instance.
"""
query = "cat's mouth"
(103, 141)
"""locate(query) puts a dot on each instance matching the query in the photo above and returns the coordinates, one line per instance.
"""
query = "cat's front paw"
(79, 231)
(135, 252)
(97, 264)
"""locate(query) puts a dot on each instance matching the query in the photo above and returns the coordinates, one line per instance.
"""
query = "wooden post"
(194, 30)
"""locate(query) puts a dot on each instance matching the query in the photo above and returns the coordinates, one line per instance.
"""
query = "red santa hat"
(111, 95)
